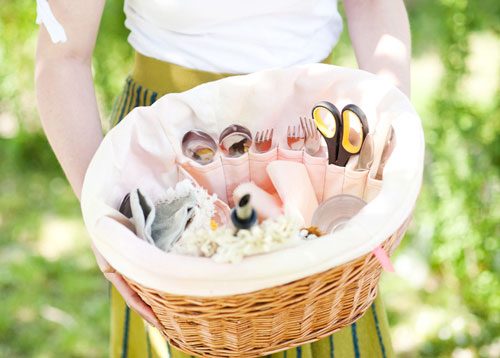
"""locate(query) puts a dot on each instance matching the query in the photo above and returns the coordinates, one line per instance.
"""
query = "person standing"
(179, 45)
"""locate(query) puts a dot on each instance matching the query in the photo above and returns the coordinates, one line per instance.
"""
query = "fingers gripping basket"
(273, 301)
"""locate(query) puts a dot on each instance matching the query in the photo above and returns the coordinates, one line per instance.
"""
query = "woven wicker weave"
(272, 319)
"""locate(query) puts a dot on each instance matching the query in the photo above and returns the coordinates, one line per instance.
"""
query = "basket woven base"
(272, 319)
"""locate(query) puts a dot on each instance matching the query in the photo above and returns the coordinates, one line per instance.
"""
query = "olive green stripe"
(131, 100)
(125, 333)
(144, 98)
(138, 96)
(125, 98)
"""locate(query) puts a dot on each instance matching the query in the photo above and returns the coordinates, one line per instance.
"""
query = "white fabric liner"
(142, 151)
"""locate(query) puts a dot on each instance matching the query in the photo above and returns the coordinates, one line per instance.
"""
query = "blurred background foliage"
(444, 299)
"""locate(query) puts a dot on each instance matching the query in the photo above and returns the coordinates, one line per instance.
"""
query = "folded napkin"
(164, 222)
(294, 188)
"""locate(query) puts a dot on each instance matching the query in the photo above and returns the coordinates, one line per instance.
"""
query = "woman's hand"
(132, 299)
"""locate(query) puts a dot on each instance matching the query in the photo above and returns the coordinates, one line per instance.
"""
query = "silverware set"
(199, 146)
(328, 122)
(236, 140)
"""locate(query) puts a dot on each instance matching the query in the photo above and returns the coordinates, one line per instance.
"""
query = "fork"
(264, 140)
(312, 141)
(295, 137)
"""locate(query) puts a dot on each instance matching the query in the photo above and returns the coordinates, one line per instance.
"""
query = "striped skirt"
(131, 336)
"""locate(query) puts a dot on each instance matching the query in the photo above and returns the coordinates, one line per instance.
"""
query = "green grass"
(444, 299)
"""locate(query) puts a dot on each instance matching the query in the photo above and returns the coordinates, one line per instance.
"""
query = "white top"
(225, 36)
(233, 36)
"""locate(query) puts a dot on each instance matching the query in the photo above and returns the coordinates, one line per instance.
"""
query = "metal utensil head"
(365, 159)
(295, 137)
(199, 146)
(235, 140)
(312, 141)
(390, 143)
(264, 140)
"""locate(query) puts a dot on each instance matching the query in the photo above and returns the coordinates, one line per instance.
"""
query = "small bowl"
(332, 214)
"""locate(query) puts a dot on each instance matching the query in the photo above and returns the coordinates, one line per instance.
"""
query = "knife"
(365, 159)
(386, 153)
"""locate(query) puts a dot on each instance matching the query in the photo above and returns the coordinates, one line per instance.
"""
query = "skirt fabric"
(131, 336)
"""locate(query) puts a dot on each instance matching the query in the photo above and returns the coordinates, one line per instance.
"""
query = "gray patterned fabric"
(163, 223)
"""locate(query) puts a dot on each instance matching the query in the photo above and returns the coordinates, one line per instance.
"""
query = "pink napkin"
(266, 205)
(294, 188)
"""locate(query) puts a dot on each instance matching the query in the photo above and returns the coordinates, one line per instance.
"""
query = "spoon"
(235, 140)
(199, 146)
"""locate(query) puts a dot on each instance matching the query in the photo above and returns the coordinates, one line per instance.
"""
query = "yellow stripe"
(178, 354)
(136, 334)
(342, 340)
(321, 348)
(367, 336)
(158, 345)
(117, 323)
(384, 327)
(163, 77)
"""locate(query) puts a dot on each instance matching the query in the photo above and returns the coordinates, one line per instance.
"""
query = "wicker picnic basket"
(273, 301)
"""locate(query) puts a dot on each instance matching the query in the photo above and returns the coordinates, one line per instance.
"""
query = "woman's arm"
(380, 35)
(65, 90)
(68, 107)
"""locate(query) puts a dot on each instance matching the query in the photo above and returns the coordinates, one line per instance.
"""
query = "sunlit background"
(443, 300)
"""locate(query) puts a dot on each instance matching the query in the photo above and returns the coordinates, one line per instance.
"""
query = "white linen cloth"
(143, 149)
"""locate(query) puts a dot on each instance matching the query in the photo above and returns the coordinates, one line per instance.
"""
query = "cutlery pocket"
(372, 189)
(210, 176)
(334, 180)
(258, 163)
(354, 182)
(182, 174)
(316, 169)
(291, 155)
(236, 171)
